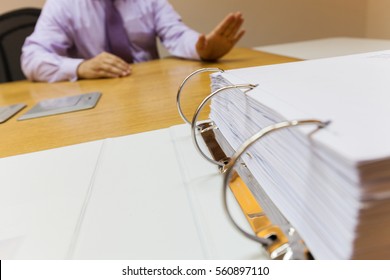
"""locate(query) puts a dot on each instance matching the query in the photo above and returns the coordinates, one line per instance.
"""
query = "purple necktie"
(117, 40)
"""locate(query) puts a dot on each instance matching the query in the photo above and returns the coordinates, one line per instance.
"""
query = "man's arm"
(44, 52)
(176, 37)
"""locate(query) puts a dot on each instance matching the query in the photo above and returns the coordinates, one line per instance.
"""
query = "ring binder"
(328, 193)
(280, 243)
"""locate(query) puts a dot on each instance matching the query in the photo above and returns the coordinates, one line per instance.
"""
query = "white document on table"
(143, 196)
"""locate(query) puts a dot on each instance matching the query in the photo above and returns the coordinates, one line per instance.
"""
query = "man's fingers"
(107, 70)
(115, 69)
(104, 74)
(233, 27)
(229, 25)
(223, 26)
(239, 36)
(115, 64)
(104, 65)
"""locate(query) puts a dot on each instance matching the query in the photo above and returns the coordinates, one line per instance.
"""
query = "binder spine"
(272, 230)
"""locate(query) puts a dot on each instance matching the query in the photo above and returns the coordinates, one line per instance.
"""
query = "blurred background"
(304, 29)
(279, 21)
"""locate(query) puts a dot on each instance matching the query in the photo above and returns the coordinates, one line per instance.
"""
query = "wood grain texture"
(144, 101)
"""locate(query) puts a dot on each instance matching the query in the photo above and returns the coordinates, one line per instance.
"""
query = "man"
(72, 38)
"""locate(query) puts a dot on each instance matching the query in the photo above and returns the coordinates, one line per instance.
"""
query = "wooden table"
(144, 101)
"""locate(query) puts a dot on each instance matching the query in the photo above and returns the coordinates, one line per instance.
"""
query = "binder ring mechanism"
(178, 96)
(207, 125)
(229, 167)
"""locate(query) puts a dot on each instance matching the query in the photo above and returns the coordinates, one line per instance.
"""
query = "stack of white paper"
(333, 185)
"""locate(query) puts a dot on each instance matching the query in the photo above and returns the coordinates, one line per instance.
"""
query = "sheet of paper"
(155, 198)
(143, 196)
(41, 197)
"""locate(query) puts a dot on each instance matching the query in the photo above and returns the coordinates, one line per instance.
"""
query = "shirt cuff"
(69, 68)
(192, 53)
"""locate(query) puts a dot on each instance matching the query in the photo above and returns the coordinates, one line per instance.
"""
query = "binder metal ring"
(178, 96)
(228, 168)
(197, 112)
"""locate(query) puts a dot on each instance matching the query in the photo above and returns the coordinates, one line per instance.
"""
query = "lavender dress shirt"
(70, 31)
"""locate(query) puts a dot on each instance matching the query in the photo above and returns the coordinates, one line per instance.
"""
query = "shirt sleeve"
(177, 38)
(44, 53)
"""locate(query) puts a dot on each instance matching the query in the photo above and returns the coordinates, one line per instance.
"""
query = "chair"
(15, 26)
